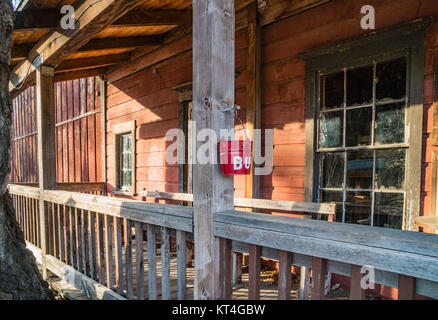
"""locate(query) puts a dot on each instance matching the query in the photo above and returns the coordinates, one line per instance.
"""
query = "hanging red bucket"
(235, 157)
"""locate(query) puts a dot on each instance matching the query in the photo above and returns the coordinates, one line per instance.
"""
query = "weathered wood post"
(213, 85)
(45, 101)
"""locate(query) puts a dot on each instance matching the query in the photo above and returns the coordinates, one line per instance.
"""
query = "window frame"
(406, 39)
(126, 128)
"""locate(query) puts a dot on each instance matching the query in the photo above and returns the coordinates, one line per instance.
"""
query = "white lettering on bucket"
(237, 163)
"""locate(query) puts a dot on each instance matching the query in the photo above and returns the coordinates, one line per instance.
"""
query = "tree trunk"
(19, 275)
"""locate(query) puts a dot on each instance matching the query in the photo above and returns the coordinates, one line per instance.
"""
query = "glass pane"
(358, 208)
(390, 169)
(388, 210)
(332, 168)
(391, 79)
(390, 123)
(331, 129)
(359, 127)
(360, 169)
(360, 86)
(332, 91)
(333, 196)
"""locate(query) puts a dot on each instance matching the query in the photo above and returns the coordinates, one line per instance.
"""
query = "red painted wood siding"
(78, 133)
(24, 156)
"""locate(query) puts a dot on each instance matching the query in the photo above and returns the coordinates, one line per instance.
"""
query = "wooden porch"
(111, 246)
(121, 249)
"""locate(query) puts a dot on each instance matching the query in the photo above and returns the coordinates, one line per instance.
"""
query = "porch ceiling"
(140, 29)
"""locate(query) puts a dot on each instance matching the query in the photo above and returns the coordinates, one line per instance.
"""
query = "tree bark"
(19, 275)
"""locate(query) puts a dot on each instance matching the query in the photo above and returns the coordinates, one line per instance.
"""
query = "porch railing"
(402, 259)
(98, 244)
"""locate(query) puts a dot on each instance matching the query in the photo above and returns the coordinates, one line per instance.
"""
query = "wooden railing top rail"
(403, 252)
(165, 215)
(72, 186)
(293, 206)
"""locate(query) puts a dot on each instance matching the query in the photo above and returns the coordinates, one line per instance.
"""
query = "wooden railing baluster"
(406, 287)
(319, 270)
(356, 292)
(165, 264)
(284, 275)
(109, 262)
(139, 262)
(128, 259)
(92, 244)
(78, 233)
(181, 263)
(100, 248)
(225, 272)
(118, 254)
(254, 272)
(152, 262)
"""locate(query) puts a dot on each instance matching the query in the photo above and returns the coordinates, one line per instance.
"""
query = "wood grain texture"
(356, 292)
(213, 50)
(254, 272)
(284, 275)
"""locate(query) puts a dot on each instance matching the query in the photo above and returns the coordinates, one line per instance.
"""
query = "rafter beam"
(31, 20)
(59, 44)
(143, 18)
(92, 62)
(121, 43)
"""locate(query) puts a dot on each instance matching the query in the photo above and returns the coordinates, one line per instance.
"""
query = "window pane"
(332, 167)
(334, 196)
(332, 91)
(390, 123)
(391, 79)
(359, 127)
(331, 129)
(360, 86)
(360, 169)
(358, 208)
(390, 169)
(388, 211)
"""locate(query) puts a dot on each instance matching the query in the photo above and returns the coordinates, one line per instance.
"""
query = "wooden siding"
(78, 132)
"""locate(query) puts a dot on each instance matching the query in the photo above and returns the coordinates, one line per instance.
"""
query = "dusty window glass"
(333, 170)
(333, 196)
(332, 91)
(360, 169)
(360, 86)
(358, 208)
(368, 120)
(391, 79)
(390, 169)
(388, 212)
(358, 127)
(331, 129)
(390, 123)
(125, 164)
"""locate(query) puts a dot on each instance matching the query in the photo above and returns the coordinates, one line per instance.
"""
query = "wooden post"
(103, 130)
(253, 91)
(213, 86)
(45, 100)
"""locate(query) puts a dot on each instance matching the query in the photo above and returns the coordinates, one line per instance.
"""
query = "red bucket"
(235, 157)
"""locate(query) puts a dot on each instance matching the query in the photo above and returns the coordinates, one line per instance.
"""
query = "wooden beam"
(103, 107)
(21, 51)
(77, 74)
(92, 62)
(45, 101)
(213, 84)
(253, 91)
(59, 44)
(31, 20)
(145, 17)
(121, 43)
